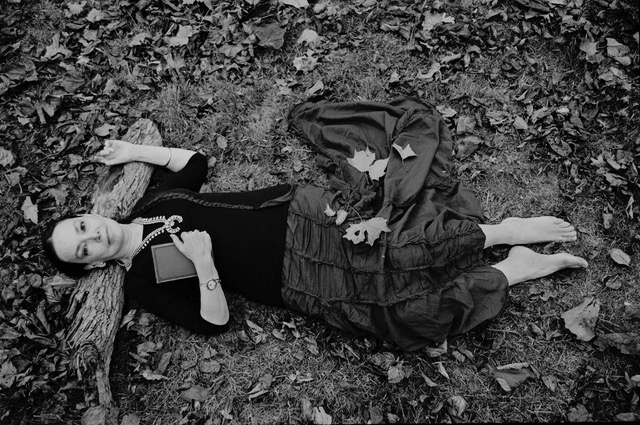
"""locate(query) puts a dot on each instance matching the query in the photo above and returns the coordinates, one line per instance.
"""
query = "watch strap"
(206, 284)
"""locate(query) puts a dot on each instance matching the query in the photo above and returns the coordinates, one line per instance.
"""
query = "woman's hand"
(115, 152)
(195, 245)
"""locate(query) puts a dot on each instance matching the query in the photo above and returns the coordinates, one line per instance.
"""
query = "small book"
(170, 264)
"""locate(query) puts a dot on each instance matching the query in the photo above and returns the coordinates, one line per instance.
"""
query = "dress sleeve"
(176, 307)
(191, 177)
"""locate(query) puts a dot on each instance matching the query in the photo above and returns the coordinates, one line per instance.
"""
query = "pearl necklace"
(168, 226)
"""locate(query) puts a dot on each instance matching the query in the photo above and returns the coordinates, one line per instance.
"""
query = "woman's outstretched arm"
(120, 152)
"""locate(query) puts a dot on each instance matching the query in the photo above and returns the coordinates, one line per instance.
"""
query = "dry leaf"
(550, 382)
(329, 212)
(435, 68)
(395, 374)
(152, 376)
(270, 35)
(104, 130)
(582, 319)
(96, 415)
(196, 393)
(317, 87)
(393, 419)
(30, 210)
(210, 367)
(442, 370)
(433, 19)
(362, 160)
(511, 375)
(371, 228)
(312, 346)
(446, 111)
(579, 414)
(618, 51)
(405, 152)
(627, 417)
(457, 405)
(139, 39)
(6, 157)
(627, 343)
(254, 327)
(632, 309)
(307, 409)
(55, 49)
(466, 124)
(520, 124)
(467, 146)
(130, 419)
(341, 217)
(589, 46)
(620, 257)
(182, 38)
(310, 37)
(428, 381)
(8, 374)
(222, 142)
(300, 4)
(320, 417)
(165, 359)
(437, 351)
(378, 168)
(375, 415)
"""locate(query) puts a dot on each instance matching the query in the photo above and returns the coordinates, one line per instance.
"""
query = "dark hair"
(74, 270)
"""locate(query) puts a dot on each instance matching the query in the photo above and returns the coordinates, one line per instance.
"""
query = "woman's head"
(77, 244)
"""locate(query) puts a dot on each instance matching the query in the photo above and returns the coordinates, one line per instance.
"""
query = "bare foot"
(538, 229)
(523, 264)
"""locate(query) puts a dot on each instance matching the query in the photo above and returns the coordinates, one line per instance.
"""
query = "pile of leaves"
(73, 74)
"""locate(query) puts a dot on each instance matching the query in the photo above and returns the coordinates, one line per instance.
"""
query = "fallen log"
(96, 304)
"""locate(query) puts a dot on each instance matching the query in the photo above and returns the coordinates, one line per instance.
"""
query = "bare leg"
(520, 231)
(523, 264)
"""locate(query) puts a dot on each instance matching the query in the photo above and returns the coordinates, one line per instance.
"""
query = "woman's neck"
(132, 238)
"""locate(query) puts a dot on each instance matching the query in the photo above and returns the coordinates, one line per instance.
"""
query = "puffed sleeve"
(191, 177)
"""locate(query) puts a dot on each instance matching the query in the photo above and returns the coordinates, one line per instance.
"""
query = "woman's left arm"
(196, 246)
(120, 152)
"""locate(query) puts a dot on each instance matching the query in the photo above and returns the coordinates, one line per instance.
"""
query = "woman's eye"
(85, 251)
(83, 226)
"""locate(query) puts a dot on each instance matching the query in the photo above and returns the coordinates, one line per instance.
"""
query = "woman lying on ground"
(417, 284)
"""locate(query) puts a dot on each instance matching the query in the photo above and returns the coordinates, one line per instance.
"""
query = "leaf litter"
(91, 101)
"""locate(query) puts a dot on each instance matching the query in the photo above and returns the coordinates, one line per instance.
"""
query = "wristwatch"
(210, 284)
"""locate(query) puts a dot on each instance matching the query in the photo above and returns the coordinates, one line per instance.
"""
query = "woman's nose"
(95, 235)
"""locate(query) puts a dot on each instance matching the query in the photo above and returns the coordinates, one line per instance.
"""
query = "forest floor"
(541, 98)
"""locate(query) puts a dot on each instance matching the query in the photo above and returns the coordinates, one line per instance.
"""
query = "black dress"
(247, 234)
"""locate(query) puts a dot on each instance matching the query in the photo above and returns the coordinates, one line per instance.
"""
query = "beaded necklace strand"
(168, 224)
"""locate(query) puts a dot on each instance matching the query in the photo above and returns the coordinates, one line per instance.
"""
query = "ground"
(541, 98)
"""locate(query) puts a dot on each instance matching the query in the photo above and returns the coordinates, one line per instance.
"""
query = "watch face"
(211, 285)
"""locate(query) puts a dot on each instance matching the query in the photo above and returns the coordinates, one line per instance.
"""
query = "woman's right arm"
(189, 167)
(120, 152)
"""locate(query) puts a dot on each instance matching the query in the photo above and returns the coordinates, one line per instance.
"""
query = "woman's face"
(88, 239)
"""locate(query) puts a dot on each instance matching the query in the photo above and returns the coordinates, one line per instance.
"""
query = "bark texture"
(96, 304)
